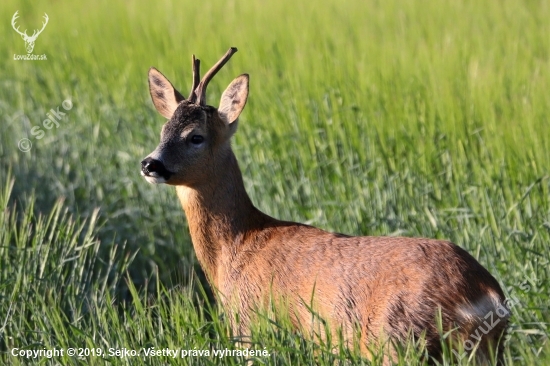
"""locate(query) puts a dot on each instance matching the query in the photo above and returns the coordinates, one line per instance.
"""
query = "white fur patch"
(480, 308)
(153, 178)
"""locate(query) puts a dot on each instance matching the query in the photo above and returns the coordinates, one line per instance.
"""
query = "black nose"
(154, 168)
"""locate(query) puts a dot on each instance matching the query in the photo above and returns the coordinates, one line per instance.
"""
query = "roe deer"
(383, 287)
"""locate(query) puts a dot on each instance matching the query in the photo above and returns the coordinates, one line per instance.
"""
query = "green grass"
(369, 118)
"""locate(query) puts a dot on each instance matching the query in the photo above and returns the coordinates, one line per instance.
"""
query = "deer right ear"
(165, 97)
(234, 99)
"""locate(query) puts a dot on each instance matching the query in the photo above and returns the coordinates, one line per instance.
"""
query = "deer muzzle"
(154, 171)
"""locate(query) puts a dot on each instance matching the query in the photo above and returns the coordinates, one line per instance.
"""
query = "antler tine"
(201, 89)
(13, 19)
(196, 79)
(46, 18)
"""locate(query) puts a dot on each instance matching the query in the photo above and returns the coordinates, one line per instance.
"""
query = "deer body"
(383, 286)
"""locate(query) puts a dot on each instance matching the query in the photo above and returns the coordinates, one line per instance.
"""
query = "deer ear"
(165, 97)
(234, 99)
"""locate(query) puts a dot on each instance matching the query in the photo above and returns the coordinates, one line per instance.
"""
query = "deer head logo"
(29, 40)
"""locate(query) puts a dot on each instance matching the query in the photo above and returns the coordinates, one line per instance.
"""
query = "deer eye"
(197, 139)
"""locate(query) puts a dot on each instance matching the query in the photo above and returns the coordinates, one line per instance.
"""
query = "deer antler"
(198, 94)
(196, 78)
(13, 19)
(35, 34)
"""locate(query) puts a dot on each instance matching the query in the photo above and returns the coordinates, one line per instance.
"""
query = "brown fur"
(383, 285)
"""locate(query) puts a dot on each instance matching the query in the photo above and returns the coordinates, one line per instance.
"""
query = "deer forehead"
(190, 117)
(187, 113)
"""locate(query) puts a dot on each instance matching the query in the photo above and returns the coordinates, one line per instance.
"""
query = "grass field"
(368, 117)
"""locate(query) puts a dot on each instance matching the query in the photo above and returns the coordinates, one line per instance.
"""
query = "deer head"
(196, 137)
(29, 40)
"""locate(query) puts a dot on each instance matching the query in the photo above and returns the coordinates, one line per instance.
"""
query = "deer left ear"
(165, 97)
(234, 99)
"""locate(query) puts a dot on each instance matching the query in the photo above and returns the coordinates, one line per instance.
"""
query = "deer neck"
(219, 214)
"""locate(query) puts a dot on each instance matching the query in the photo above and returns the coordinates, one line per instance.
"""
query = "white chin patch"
(153, 180)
